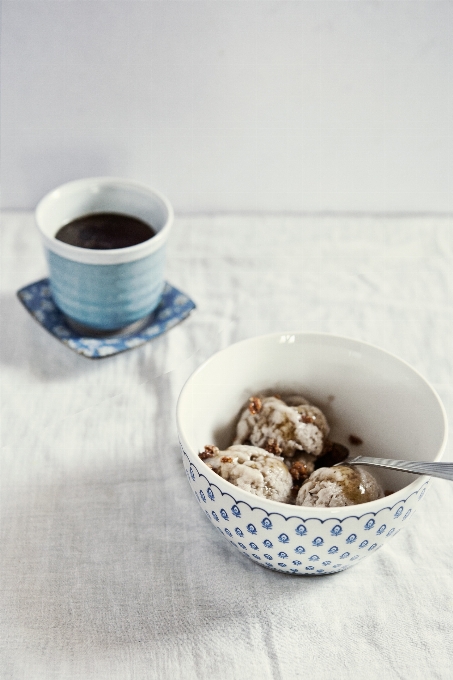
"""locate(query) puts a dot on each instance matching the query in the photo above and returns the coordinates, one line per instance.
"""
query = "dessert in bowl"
(368, 396)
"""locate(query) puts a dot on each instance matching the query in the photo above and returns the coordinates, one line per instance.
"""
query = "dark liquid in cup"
(105, 231)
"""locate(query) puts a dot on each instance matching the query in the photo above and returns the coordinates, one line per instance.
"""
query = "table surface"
(108, 567)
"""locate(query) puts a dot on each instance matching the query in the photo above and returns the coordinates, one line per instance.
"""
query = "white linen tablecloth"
(108, 567)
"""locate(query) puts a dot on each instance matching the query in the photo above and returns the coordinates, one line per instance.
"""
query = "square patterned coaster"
(37, 299)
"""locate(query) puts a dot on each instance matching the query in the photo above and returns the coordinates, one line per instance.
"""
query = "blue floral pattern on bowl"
(340, 540)
(174, 307)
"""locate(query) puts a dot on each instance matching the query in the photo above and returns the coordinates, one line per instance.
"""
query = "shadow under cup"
(105, 292)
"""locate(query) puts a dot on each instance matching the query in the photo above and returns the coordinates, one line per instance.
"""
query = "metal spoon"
(442, 470)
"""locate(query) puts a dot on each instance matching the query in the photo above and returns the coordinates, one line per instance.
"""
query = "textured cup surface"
(105, 289)
(363, 391)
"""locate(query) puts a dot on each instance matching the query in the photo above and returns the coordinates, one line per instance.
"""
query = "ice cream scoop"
(252, 469)
(339, 486)
(283, 429)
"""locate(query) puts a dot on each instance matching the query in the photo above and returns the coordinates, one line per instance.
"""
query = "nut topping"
(255, 405)
(209, 452)
(308, 420)
(272, 446)
(299, 471)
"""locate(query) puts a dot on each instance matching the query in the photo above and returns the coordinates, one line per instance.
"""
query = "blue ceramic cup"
(105, 291)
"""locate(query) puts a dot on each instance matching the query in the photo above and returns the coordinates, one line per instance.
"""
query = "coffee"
(105, 231)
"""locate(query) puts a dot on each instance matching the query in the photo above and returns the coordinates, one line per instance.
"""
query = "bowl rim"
(409, 488)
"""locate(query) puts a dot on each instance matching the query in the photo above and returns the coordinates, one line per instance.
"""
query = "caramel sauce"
(352, 485)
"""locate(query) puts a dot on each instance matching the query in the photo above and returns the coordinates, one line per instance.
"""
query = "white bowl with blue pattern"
(363, 391)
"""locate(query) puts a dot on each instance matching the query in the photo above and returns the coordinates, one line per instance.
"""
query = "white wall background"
(232, 106)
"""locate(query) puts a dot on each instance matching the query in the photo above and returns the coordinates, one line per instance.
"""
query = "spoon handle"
(442, 470)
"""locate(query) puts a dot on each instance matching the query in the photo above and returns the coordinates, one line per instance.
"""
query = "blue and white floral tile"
(174, 307)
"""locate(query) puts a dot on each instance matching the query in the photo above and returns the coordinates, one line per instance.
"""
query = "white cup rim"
(114, 255)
